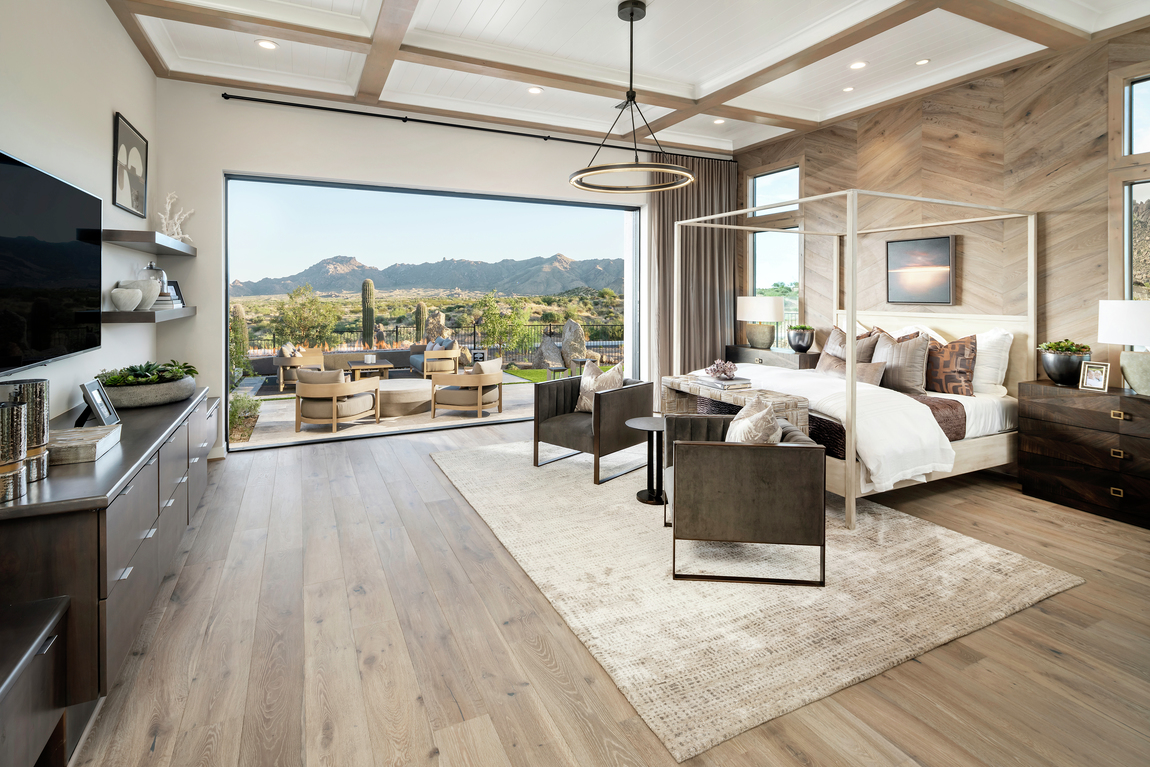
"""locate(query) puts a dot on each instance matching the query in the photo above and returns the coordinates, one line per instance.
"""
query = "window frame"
(790, 219)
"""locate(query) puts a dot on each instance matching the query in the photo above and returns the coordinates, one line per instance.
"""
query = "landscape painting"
(920, 271)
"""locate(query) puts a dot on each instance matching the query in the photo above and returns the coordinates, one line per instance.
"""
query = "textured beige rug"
(702, 662)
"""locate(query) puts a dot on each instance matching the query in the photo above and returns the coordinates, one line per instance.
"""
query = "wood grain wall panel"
(1034, 138)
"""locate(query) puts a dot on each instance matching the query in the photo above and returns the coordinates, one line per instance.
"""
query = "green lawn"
(534, 376)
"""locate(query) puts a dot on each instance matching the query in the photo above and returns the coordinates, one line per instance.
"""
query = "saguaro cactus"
(368, 298)
(420, 320)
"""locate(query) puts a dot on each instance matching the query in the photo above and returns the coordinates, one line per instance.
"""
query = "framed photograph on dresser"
(1095, 376)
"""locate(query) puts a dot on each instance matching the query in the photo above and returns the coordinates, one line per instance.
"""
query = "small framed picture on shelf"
(1095, 376)
(176, 293)
(97, 401)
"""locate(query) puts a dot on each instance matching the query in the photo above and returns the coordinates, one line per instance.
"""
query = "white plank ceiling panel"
(462, 91)
(1090, 15)
(705, 44)
(234, 55)
(954, 45)
(729, 135)
(352, 17)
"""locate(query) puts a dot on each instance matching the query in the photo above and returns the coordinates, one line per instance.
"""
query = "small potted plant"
(800, 337)
(1062, 360)
(149, 384)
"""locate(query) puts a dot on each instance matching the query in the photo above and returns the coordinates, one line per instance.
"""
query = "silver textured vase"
(801, 340)
(761, 335)
(33, 392)
(1136, 370)
(13, 450)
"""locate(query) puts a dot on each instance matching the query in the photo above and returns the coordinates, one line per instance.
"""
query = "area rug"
(703, 661)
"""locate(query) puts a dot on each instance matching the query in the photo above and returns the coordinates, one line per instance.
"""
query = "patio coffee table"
(383, 367)
(404, 396)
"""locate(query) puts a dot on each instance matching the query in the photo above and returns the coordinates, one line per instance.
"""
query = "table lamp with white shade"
(1128, 323)
(754, 310)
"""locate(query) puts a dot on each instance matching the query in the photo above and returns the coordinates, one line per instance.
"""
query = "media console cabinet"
(104, 533)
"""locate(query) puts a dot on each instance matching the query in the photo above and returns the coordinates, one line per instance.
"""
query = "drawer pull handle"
(154, 459)
(150, 533)
(183, 479)
(1116, 453)
(194, 460)
(44, 648)
(1117, 415)
(127, 489)
(124, 575)
(1116, 492)
(203, 444)
(169, 502)
(173, 439)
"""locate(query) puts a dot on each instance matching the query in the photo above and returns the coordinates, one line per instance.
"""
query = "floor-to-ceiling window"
(345, 271)
(776, 257)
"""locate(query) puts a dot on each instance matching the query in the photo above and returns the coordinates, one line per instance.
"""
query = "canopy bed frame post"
(1032, 289)
(851, 484)
(677, 321)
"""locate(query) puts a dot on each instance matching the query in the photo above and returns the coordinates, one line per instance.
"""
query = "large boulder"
(547, 355)
(575, 344)
(437, 326)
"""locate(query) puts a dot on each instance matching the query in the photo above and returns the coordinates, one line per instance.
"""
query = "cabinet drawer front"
(197, 482)
(173, 522)
(197, 427)
(1073, 407)
(1135, 452)
(211, 431)
(128, 602)
(128, 520)
(1055, 479)
(1137, 420)
(34, 704)
(1070, 443)
(173, 461)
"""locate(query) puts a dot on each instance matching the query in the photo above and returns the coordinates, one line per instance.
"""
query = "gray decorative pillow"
(287, 350)
(487, 366)
(905, 362)
(836, 345)
(755, 424)
(865, 372)
(596, 380)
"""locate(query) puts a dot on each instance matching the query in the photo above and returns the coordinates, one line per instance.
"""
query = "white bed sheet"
(986, 414)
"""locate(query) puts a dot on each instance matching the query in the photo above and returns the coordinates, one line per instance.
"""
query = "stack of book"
(167, 301)
(726, 384)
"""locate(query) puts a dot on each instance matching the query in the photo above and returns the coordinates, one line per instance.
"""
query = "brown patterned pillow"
(950, 368)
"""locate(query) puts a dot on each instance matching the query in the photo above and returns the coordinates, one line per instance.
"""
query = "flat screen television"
(50, 235)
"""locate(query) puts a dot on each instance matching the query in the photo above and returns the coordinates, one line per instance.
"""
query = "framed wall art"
(129, 168)
(920, 271)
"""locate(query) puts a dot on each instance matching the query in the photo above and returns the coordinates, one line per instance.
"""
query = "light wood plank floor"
(342, 604)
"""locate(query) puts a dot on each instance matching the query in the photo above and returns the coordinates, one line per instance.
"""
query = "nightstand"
(1085, 449)
(780, 358)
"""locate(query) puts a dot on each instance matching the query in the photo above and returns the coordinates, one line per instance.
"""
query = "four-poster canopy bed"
(844, 475)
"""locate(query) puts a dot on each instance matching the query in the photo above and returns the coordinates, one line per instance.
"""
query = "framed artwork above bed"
(920, 271)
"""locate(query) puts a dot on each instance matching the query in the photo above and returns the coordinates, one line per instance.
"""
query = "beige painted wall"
(61, 85)
(1034, 139)
(205, 137)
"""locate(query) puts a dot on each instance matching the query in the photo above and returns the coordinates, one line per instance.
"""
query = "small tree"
(367, 298)
(238, 343)
(304, 319)
(504, 326)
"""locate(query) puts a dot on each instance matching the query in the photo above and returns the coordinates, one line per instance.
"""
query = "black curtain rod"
(421, 121)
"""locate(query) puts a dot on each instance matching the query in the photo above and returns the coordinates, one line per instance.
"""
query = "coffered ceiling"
(717, 76)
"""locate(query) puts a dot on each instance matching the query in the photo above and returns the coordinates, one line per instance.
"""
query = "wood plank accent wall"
(1034, 138)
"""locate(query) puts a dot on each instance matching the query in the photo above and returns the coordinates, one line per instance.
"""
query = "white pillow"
(992, 356)
(922, 329)
(755, 424)
(596, 380)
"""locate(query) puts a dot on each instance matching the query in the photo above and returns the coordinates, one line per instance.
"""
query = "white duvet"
(897, 437)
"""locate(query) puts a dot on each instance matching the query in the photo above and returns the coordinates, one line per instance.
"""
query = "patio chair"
(290, 359)
(425, 361)
(325, 397)
(480, 387)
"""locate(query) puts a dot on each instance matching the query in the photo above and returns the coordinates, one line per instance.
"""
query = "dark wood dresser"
(1087, 450)
(780, 358)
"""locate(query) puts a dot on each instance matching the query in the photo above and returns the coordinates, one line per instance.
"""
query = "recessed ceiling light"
(267, 44)
(922, 62)
(858, 65)
(848, 89)
(535, 90)
(719, 122)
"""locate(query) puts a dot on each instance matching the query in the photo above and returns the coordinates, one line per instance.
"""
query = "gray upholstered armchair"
(600, 433)
(744, 493)
(425, 362)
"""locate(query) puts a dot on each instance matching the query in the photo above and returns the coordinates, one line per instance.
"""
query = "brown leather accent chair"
(744, 493)
(600, 433)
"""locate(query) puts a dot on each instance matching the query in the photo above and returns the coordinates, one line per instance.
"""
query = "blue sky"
(276, 230)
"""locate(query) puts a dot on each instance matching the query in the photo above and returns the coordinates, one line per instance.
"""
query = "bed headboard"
(1023, 354)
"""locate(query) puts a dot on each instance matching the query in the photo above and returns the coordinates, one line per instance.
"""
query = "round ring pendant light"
(631, 11)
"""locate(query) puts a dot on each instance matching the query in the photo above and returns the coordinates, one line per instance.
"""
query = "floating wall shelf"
(163, 315)
(149, 242)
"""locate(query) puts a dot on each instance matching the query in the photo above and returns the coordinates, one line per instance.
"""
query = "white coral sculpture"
(170, 223)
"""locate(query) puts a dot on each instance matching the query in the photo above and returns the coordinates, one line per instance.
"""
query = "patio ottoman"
(404, 396)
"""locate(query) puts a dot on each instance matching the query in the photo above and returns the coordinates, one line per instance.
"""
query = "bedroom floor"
(298, 626)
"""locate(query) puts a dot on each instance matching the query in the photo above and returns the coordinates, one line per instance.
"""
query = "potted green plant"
(800, 337)
(149, 383)
(1062, 360)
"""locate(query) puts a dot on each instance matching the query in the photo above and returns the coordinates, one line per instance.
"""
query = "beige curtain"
(708, 262)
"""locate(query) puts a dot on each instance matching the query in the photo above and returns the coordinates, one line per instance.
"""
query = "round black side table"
(654, 494)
